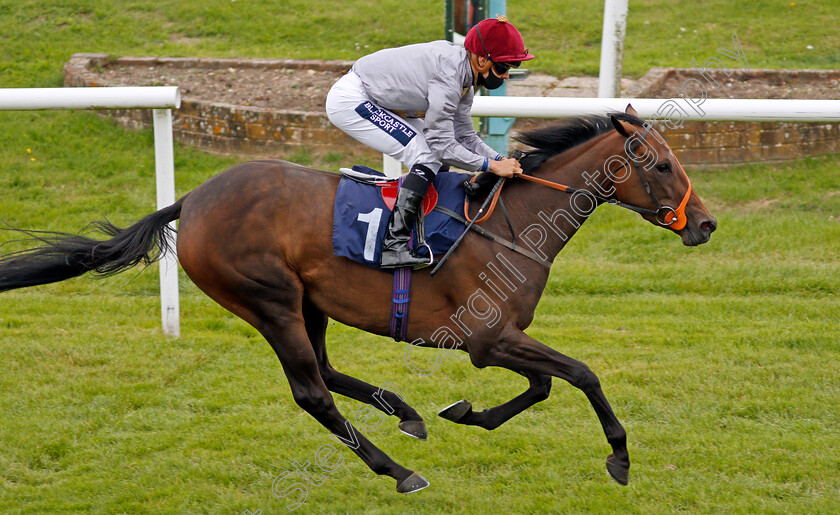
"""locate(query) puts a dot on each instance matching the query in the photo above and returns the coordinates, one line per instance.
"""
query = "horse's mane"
(552, 140)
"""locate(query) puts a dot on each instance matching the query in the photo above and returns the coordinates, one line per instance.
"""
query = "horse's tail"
(64, 256)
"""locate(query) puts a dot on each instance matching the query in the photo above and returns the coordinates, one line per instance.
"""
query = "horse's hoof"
(413, 483)
(620, 473)
(414, 429)
(456, 412)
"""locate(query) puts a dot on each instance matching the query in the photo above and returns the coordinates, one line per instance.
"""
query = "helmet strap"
(478, 70)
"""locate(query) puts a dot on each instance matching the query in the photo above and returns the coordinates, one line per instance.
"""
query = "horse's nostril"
(708, 226)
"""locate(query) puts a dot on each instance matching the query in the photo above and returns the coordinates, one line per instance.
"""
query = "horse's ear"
(623, 128)
(631, 111)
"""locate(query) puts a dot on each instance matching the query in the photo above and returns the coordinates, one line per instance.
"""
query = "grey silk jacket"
(431, 81)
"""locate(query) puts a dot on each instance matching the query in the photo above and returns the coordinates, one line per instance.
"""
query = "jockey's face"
(494, 69)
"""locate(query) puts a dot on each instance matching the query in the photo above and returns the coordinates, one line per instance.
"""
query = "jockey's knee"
(424, 171)
(419, 179)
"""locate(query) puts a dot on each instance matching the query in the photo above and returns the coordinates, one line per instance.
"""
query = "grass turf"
(39, 35)
(719, 360)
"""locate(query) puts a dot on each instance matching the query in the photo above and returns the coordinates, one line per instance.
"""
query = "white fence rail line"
(40, 99)
(162, 99)
(669, 110)
(714, 109)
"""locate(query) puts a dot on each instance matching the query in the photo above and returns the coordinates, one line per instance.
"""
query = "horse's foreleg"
(491, 418)
(411, 423)
(519, 352)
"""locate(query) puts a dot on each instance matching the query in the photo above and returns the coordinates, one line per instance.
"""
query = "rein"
(664, 215)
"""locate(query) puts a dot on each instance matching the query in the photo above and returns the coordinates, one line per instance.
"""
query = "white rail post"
(165, 182)
(390, 166)
(612, 48)
(161, 99)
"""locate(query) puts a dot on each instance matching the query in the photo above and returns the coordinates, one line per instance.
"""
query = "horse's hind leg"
(411, 423)
(291, 344)
(491, 418)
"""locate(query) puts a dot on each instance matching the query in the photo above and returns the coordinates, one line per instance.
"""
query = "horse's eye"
(664, 168)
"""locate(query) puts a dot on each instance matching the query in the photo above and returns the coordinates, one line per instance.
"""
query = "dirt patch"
(302, 89)
(790, 84)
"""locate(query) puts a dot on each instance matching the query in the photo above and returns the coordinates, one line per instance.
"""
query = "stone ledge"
(244, 130)
(726, 143)
(226, 128)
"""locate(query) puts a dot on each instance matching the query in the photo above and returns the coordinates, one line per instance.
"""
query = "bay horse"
(257, 240)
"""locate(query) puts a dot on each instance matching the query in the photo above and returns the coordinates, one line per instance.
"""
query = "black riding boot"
(395, 250)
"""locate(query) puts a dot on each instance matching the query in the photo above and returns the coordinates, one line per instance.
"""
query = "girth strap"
(495, 238)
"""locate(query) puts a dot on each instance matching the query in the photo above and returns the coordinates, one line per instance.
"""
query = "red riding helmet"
(498, 40)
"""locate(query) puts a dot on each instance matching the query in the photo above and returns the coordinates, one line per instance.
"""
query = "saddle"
(364, 200)
(389, 186)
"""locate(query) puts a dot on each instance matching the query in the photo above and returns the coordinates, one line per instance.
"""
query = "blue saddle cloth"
(361, 217)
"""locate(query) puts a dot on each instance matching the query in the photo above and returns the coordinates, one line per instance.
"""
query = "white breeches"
(351, 110)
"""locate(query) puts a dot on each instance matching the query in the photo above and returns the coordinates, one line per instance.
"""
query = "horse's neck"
(545, 213)
(543, 220)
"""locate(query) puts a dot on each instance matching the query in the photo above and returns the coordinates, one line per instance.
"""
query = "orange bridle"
(666, 216)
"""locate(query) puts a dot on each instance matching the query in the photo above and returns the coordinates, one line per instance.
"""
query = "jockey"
(413, 103)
